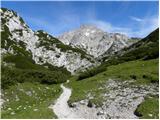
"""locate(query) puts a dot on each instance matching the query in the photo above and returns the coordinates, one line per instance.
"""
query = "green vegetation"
(21, 62)
(20, 72)
(19, 31)
(5, 41)
(21, 69)
(20, 75)
(29, 101)
(146, 48)
(46, 40)
(4, 9)
(28, 88)
(149, 108)
(12, 76)
(142, 72)
(91, 72)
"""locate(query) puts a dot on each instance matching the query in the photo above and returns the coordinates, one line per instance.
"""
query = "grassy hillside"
(149, 108)
(142, 72)
(29, 101)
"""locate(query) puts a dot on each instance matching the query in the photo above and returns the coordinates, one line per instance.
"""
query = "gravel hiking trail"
(61, 108)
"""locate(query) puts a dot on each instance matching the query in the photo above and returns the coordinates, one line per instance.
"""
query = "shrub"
(133, 77)
(91, 72)
(90, 104)
(11, 76)
(151, 78)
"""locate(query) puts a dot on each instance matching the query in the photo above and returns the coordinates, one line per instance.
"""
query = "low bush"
(133, 77)
(152, 78)
(11, 76)
(91, 72)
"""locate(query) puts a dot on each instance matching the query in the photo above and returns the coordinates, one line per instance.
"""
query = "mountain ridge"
(94, 40)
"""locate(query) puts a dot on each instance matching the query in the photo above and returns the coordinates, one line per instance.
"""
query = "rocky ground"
(120, 101)
(61, 108)
(1, 100)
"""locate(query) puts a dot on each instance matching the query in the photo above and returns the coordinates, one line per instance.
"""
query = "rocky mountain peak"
(95, 41)
(12, 20)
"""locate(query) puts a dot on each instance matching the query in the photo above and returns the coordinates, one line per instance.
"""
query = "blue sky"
(135, 19)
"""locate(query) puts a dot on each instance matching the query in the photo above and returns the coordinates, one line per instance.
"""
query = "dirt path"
(61, 108)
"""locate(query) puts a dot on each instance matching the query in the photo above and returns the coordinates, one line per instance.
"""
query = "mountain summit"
(94, 40)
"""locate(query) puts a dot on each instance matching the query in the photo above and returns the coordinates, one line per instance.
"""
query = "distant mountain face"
(19, 39)
(146, 48)
(95, 41)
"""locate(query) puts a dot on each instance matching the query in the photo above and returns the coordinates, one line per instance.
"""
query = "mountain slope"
(18, 38)
(117, 91)
(147, 48)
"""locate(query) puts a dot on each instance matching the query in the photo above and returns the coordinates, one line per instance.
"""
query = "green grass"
(124, 71)
(149, 108)
(42, 97)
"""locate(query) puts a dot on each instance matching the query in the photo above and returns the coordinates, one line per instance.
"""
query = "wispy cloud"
(143, 26)
(136, 19)
(147, 25)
